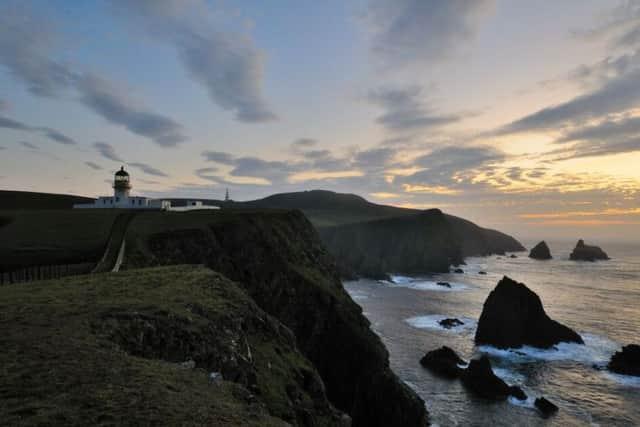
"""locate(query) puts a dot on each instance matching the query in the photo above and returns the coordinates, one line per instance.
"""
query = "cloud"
(107, 100)
(25, 46)
(56, 136)
(107, 151)
(452, 167)
(27, 49)
(405, 111)
(93, 166)
(29, 145)
(149, 170)
(52, 134)
(614, 96)
(407, 31)
(224, 61)
(218, 157)
(8, 123)
(304, 143)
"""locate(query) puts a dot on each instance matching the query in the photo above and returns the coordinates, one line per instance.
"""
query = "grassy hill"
(27, 200)
(109, 349)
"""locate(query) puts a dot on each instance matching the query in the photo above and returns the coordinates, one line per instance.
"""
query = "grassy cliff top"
(107, 349)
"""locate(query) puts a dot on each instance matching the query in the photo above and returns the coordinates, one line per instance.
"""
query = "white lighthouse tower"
(121, 185)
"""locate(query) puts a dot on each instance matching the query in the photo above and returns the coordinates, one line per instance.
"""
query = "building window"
(111, 201)
(104, 201)
(117, 199)
(139, 201)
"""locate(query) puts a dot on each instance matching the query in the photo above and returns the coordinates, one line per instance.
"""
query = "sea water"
(601, 301)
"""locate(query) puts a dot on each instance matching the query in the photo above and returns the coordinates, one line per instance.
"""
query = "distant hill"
(372, 240)
(365, 238)
(27, 200)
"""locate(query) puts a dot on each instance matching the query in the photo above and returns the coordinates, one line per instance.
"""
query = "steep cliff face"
(411, 245)
(427, 242)
(279, 259)
(139, 348)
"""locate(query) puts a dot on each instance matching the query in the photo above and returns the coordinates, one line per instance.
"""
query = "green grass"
(105, 350)
(54, 236)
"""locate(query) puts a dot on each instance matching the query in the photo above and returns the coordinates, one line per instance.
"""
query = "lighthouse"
(121, 185)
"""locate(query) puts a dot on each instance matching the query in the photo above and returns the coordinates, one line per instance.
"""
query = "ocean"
(601, 301)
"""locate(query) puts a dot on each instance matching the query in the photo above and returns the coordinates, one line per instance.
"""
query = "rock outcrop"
(513, 316)
(277, 257)
(627, 361)
(443, 361)
(178, 345)
(540, 251)
(450, 323)
(480, 379)
(547, 408)
(583, 252)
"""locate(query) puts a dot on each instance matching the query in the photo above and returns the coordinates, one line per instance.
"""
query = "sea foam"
(432, 322)
(423, 284)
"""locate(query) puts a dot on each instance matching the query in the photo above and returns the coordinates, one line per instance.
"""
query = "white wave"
(432, 322)
(594, 350)
(423, 284)
(529, 402)
(357, 294)
(508, 376)
(624, 380)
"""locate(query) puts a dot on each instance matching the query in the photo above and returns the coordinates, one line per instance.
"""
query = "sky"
(522, 116)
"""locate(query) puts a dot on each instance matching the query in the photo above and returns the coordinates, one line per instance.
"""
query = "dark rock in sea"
(517, 392)
(540, 251)
(443, 361)
(627, 361)
(482, 272)
(450, 323)
(584, 252)
(513, 316)
(480, 379)
(458, 270)
(513, 256)
(547, 408)
(445, 284)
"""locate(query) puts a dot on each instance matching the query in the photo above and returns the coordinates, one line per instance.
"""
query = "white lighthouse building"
(122, 198)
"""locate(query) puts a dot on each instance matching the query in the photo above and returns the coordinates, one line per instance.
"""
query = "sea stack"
(443, 361)
(480, 379)
(584, 252)
(540, 251)
(513, 316)
(627, 361)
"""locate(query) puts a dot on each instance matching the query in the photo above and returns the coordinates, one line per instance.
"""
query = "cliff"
(429, 241)
(277, 257)
(139, 348)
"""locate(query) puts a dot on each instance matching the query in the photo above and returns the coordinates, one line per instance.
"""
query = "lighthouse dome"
(122, 172)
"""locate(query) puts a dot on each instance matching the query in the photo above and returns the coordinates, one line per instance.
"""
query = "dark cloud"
(56, 136)
(226, 63)
(149, 170)
(273, 171)
(304, 143)
(374, 159)
(108, 101)
(29, 145)
(617, 95)
(405, 111)
(25, 46)
(93, 166)
(52, 134)
(443, 165)
(8, 123)
(607, 137)
(27, 50)
(107, 151)
(206, 173)
(407, 31)
(219, 157)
